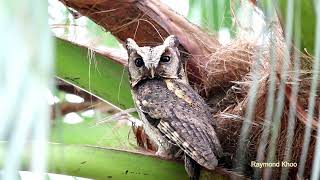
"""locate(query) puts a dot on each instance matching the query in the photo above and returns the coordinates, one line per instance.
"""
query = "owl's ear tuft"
(131, 45)
(171, 41)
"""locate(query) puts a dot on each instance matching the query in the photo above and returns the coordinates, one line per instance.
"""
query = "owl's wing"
(182, 116)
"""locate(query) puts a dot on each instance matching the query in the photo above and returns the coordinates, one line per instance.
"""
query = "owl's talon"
(164, 154)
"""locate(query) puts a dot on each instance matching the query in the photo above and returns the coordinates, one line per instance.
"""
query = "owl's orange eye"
(165, 59)
(139, 62)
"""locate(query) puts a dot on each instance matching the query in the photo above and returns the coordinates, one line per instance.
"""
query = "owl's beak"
(152, 72)
(151, 69)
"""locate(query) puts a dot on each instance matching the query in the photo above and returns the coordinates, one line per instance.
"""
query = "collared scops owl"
(174, 114)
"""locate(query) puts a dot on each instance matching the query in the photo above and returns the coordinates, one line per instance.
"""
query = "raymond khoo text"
(273, 164)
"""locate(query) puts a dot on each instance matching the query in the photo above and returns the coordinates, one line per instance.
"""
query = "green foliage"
(304, 19)
(103, 163)
(212, 15)
(105, 38)
(103, 78)
(110, 135)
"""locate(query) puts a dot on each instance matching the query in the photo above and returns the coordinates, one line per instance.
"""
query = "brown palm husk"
(230, 111)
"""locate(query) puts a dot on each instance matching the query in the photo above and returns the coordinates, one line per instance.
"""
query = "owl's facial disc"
(146, 62)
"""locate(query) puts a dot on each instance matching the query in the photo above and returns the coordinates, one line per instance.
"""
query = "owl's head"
(161, 61)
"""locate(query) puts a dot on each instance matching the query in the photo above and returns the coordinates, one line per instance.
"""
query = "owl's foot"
(192, 168)
(169, 151)
(164, 153)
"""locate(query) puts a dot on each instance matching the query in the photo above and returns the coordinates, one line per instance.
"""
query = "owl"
(174, 115)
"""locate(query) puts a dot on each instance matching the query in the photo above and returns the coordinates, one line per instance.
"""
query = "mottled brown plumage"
(170, 109)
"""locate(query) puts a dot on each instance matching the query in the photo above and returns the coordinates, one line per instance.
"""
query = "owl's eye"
(139, 62)
(165, 59)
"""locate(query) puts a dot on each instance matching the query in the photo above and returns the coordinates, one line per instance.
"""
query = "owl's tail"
(192, 167)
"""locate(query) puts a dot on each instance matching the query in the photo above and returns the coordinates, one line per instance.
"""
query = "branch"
(103, 163)
(101, 76)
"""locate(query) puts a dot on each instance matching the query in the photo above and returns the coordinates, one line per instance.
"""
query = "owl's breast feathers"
(182, 116)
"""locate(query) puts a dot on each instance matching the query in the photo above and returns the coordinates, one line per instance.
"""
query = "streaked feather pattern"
(183, 118)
